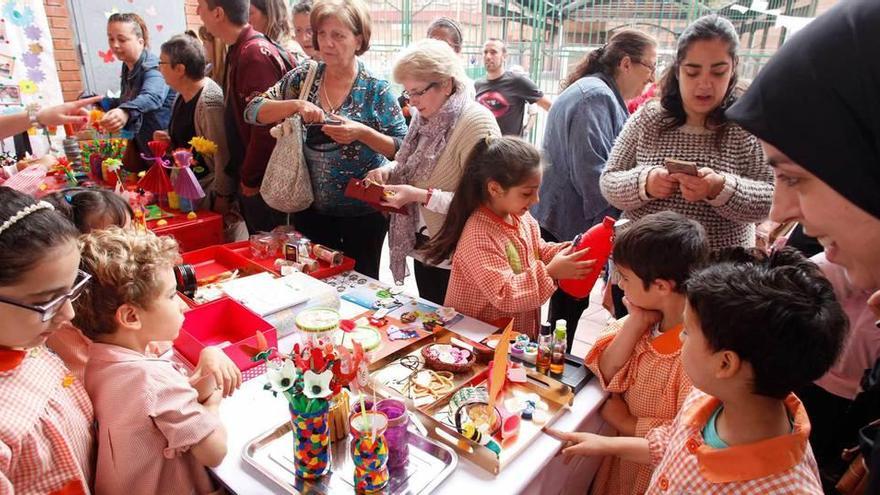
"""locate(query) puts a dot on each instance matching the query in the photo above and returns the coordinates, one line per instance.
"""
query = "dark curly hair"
(706, 28)
(777, 312)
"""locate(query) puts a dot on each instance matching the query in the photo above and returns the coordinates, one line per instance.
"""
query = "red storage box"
(212, 261)
(221, 321)
(243, 249)
(203, 231)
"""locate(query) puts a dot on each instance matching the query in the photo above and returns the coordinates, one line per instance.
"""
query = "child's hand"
(565, 264)
(214, 361)
(577, 443)
(397, 196)
(641, 317)
(616, 413)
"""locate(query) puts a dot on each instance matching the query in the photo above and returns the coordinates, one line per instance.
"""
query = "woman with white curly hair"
(445, 127)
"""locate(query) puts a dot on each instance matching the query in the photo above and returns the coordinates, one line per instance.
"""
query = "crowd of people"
(729, 368)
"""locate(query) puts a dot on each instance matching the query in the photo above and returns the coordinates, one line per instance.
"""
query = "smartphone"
(325, 122)
(681, 167)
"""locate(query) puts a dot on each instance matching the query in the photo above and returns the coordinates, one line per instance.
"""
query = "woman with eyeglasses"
(46, 418)
(581, 128)
(144, 103)
(447, 124)
(354, 125)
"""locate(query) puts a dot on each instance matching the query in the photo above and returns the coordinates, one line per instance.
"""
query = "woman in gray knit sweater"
(733, 187)
(447, 123)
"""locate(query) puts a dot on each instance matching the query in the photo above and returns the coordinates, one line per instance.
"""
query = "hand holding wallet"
(370, 193)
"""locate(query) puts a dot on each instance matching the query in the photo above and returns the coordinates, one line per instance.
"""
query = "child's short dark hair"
(664, 245)
(83, 206)
(776, 312)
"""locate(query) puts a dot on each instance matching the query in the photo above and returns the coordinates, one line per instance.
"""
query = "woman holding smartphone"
(728, 185)
(360, 125)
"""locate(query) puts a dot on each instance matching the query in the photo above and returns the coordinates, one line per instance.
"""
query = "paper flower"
(27, 87)
(33, 32)
(203, 146)
(30, 60)
(36, 48)
(19, 16)
(282, 378)
(36, 75)
(317, 386)
(113, 165)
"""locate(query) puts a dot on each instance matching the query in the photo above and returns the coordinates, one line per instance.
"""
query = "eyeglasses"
(410, 94)
(49, 310)
(650, 67)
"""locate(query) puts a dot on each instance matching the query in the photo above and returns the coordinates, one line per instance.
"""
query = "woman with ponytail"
(581, 128)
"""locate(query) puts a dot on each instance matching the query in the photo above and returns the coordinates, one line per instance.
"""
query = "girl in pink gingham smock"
(501, 267)
(46, 419)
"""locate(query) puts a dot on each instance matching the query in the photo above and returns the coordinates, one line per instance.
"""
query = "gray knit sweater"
(729, 219)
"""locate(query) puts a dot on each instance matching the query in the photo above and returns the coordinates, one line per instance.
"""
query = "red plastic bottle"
(599, 239)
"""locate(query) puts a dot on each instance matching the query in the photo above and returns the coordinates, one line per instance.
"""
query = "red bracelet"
(428, 198)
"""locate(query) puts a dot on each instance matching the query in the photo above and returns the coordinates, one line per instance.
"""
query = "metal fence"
(548, 37)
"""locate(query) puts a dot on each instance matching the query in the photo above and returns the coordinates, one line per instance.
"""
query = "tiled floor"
(591, 324)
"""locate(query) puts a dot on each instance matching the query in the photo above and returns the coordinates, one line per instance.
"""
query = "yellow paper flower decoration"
(27, 86)
(203, 146)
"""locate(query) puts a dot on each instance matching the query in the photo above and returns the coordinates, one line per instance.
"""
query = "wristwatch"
(32, 110)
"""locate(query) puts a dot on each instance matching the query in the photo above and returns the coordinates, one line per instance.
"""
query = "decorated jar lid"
(317, 320)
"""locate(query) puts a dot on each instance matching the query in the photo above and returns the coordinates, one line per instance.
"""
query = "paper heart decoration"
(159, 27)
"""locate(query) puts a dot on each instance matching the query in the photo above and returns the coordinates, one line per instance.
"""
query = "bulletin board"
(27, 64)
(101, 69)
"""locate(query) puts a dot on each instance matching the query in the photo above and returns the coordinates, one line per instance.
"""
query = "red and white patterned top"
(685, 464)
(499, 271)
(654, 385)
(46, 428)
(148, 418)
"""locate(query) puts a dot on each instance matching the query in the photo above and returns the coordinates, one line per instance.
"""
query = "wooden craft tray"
(439, 424)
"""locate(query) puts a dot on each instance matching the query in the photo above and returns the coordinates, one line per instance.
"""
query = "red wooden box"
(203, 231)
(218, 323)
(243, 249)
(212, 261)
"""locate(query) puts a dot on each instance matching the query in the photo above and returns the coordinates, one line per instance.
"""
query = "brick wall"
(66, 58)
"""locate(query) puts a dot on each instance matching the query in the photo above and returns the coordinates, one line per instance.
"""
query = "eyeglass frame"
(652, 68)
(50, 309)
(418, 94)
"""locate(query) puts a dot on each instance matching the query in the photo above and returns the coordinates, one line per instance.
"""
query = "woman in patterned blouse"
(733, 187)
(371, 130)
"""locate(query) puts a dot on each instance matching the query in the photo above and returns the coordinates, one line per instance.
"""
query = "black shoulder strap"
(289, 65)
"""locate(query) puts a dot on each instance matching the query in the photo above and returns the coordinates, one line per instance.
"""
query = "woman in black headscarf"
(816, 109)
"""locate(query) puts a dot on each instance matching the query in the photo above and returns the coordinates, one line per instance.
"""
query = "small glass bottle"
(560, 342)
(545, 348)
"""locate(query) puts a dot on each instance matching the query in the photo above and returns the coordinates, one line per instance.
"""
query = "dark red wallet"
(370, 193)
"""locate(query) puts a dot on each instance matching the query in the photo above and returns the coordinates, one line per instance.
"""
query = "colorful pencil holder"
(369, 451)
(311, 442)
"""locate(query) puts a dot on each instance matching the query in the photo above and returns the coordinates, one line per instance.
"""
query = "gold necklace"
(332, 110)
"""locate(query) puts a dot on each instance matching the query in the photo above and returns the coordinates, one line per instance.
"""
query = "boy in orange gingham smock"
(755, 328)
(499, 270)
(638, 360)
(683, 463)
(154, 434)
(46, 435)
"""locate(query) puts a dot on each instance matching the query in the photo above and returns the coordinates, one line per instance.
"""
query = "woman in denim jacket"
(145, 100)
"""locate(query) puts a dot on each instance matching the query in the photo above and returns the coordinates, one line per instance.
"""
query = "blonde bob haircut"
(430, 60)
(354, 14)
(125, 265)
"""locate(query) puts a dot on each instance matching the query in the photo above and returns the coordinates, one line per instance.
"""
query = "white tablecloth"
(252, 411)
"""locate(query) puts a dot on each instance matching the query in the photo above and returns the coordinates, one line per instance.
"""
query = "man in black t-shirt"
(504, 93)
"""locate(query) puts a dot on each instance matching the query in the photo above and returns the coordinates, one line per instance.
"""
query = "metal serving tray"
(271, 453)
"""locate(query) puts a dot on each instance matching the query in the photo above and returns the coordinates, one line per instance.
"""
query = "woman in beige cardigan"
(197, 111)
(445, 127)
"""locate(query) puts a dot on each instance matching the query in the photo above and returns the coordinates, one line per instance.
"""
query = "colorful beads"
(311, 443)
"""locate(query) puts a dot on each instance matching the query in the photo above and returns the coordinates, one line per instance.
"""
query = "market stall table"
(252, 411)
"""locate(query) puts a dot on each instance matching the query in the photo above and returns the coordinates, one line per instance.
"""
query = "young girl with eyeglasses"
(46, 418)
